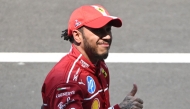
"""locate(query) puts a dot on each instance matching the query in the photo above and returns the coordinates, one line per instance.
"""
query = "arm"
(65, 96)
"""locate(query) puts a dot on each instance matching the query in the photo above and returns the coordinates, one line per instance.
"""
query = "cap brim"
(102, 21)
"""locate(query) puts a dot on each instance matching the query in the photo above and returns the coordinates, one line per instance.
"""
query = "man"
(80, 80)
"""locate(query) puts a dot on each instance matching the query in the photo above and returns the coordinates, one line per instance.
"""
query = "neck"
(92, 59)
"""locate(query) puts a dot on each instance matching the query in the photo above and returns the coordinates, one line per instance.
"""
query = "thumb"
(133, 91)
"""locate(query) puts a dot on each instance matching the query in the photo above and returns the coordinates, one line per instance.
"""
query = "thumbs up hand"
(130, 101)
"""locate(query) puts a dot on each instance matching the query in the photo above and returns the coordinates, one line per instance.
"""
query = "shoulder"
(61, 72)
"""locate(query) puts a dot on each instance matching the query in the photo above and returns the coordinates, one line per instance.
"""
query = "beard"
(92, 51)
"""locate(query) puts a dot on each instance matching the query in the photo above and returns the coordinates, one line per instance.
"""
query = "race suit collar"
(85, 63)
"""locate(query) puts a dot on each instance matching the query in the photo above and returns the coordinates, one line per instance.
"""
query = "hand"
(130, 101)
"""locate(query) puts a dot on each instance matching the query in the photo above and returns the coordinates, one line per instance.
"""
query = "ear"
(77, 35)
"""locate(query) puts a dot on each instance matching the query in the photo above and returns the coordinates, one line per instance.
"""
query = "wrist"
(114, 107)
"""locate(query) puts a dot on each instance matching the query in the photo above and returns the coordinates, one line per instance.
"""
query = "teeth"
(103, 43)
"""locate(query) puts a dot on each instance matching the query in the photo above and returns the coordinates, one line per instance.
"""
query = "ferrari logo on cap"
(100, 9)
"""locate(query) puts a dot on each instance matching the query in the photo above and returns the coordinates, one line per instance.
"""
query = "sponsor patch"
(65, 94)
(80, 82)
(95, 104)
(91, 84)
(84, 64)
(103, 72)
(61, 105)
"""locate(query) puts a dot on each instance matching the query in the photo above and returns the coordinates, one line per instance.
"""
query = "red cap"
(93, 16)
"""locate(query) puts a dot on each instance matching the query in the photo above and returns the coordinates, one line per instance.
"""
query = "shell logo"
(95, 104)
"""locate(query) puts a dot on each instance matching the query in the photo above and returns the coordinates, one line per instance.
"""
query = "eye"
(97, 30)
(108, 29)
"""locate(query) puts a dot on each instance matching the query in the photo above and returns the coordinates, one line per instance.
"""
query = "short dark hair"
(66, 36)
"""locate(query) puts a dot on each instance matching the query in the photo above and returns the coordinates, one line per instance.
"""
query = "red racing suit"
(75, 83)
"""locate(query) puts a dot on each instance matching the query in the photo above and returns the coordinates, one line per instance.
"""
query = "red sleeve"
(65, 96)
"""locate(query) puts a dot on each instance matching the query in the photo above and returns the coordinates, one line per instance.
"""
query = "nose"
(107, 36)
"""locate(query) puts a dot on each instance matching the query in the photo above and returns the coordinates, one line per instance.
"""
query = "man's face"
(97, 42)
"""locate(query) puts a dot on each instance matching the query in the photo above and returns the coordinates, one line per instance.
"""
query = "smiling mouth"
(104, 44)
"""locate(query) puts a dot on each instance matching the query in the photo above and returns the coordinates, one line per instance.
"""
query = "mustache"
(104, 42)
